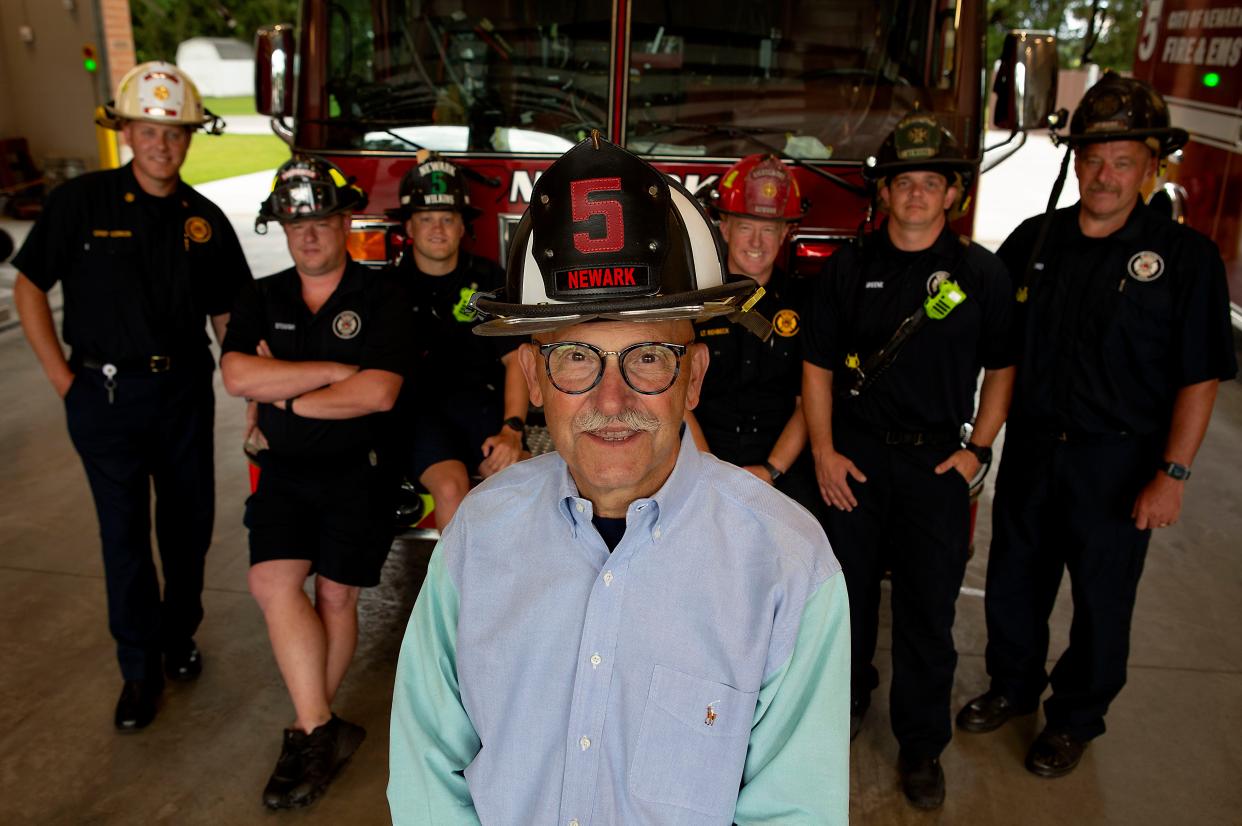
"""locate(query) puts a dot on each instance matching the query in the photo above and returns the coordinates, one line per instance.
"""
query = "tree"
(161, 25)
(1105, 30)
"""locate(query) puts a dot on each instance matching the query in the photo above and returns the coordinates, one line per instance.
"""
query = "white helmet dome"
(158, 92)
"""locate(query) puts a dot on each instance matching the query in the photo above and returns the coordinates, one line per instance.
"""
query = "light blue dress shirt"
(698, 674)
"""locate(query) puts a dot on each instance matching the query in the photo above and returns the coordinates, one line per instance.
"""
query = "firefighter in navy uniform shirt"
(143, 261)
(1125, 336)
(750, 412)
(466, 409)
(323, 347)
(886, 431)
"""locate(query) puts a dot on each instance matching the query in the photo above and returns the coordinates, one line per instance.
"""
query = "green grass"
(224, 156)
(231, 106)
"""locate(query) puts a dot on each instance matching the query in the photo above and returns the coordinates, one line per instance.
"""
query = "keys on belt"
(152, 364)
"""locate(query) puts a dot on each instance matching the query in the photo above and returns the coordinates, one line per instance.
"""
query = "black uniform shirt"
(364, 322)
(451, 359)
(139, 272)
(1113, 327)
(862, 297)
(751, 386)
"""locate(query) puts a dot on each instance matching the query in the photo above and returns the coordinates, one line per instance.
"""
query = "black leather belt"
(151, 364)
(892, 437)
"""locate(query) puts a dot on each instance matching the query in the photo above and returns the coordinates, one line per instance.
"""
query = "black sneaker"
(139, 701)
(288, 772)
(922, 781)
(309, 762)
(184, 665)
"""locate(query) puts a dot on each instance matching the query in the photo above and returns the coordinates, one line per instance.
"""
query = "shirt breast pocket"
(692, 743)
(108, 265)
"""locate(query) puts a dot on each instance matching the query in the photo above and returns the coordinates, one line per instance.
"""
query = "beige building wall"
(46, 96)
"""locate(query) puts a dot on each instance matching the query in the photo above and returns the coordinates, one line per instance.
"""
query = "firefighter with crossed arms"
(901, 324)
(323, 348)
(1124, 337)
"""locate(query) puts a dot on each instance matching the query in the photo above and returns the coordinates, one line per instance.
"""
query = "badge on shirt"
(347, 324)
(1146, 266)
(785, 323)
(198, 230)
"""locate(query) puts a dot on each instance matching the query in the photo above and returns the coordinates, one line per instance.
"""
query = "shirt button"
(585, 742)
(581, 507)
(596, 659)
(573, 822)
(607, 577)
(656, 533)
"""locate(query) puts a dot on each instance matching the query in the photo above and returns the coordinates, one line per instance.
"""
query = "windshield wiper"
(751, 134)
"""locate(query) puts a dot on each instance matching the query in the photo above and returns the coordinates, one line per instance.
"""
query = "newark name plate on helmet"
(607, 236)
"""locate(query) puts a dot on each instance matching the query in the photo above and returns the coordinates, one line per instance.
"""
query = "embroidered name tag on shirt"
(284, 325)
(875, 285)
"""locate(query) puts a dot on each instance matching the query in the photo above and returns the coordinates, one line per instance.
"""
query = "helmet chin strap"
(1046, 224)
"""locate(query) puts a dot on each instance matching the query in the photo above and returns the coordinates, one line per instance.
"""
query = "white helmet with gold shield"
(158, 92)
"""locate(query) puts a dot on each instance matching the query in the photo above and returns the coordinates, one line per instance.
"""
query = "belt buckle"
(160, 364)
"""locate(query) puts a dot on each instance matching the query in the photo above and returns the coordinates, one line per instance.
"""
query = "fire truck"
(502, 88)
(1191, 51)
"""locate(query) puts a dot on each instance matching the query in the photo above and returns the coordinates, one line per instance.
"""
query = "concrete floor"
(1172, 754)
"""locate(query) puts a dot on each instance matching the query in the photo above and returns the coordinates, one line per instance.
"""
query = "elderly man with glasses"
(626, 630)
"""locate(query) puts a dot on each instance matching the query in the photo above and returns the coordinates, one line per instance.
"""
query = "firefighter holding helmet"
(750, 411)
(323, 347)
(626, 565)
(901, 324)
(1124, 334)
(143, 261)
(466, 410)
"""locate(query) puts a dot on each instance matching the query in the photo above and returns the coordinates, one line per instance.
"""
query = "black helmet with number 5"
(607, 236)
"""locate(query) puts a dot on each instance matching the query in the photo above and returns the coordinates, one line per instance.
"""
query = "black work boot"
(922, 781)
(309, 762)
(138, 703)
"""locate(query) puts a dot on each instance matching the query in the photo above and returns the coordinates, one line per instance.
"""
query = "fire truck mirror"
(273, 70)
(1026, 81)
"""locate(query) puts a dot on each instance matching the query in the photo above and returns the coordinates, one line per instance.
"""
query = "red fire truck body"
(1191, 51)
(503, 88)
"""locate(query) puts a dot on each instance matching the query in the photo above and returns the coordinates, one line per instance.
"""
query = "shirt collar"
(668, 500)
(1132, 230)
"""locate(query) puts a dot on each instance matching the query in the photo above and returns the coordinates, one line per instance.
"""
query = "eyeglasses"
(648, 367)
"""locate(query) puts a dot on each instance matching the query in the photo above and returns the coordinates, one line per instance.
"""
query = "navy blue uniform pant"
(917, 524)
(156, 433)
(1065, 506)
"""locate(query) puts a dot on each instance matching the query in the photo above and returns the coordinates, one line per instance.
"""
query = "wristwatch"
(1179, 472)
(772, 471)
(515, 423)
(983, 454)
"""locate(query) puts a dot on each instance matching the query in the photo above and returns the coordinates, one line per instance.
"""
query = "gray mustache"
(630, 418)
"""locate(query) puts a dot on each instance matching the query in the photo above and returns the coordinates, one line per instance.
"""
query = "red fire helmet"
(759, 186)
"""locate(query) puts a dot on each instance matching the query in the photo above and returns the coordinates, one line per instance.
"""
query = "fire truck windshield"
(819, 80)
